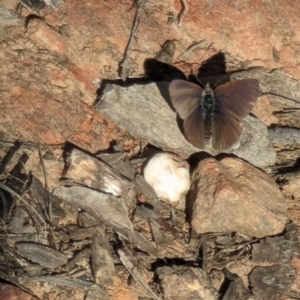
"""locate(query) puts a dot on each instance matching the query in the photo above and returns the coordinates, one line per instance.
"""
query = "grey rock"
(144, 113)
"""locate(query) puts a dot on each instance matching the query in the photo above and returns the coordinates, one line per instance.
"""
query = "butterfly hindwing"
(194, 128)
(226, 129)
(233, 102)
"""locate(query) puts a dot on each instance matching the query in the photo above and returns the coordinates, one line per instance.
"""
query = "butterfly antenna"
(214, 84)
(199, 80)
(207, 48)
(222, 79)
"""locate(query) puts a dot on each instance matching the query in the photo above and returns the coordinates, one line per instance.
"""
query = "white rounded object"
(169, 176)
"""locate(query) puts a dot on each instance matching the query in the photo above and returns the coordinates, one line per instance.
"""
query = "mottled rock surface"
(55, 57)
(231, 195)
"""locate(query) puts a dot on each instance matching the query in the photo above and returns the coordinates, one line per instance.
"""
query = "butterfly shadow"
(155, 71)
(162, 74)
(212, 71)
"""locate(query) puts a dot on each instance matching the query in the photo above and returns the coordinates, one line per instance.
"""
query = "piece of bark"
(144, 113)
(19, 222)
(106, 208)
(271, 282)
(92, 172)
(77, 258)
(147, 213)
(41, 195)
(42, 255)
(11, 239)
(167, 233)
(120, 163)
(284, 137)
(82, 233)
(183, 282)
(12, 255)
(175, 249)
(160, 236)
(87, 220)
(216, 256)
(288, 118)
(232, 196)
(102, 262)
(141, 242)
(64, 281)
(141, 218)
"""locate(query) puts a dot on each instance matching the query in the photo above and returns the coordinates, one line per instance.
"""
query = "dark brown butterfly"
(215, 114)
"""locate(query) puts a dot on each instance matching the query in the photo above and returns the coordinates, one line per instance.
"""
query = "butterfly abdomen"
(208, 106)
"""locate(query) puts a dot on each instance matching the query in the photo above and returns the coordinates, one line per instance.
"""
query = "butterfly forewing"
(185, 97)
(237, 97)
(193, 127)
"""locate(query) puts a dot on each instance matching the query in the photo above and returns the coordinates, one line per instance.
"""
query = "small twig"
(282, 96)
(183, 11)
(28, 145)
(6, 188)
(49, 202)
(43, 166)
(5, 206)
(138, 161)
(135, 274)
(124, 63)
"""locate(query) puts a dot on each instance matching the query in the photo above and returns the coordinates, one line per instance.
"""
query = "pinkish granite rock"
(232, 196)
